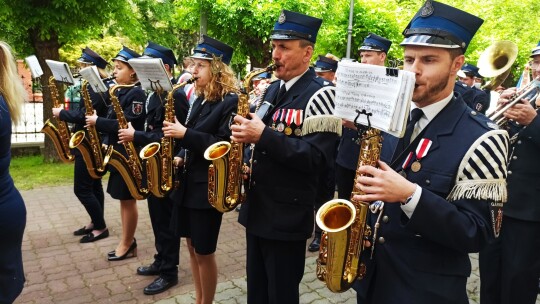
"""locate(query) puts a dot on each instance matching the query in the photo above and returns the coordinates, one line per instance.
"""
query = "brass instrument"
(496, 61)
(60, 135)
(344, 227)
(533, 88)
(130, 169)
(90, 146)
(159, 167)
(225, 173)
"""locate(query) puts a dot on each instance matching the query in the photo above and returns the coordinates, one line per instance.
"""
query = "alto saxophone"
(59, 135)
(344, 227)
(159, 167)
(90, 146)
(225, 173)
(130, 169)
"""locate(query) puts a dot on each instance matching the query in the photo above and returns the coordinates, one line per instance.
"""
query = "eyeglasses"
(534, 64)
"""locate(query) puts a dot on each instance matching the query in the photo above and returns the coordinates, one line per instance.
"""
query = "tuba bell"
(496, 61)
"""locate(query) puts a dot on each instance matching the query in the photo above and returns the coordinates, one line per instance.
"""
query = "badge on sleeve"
(137, 107)
(479, 107)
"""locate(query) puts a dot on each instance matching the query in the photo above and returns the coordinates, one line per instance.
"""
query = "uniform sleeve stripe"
(322, 102)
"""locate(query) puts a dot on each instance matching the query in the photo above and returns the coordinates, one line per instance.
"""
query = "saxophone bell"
(218, 154)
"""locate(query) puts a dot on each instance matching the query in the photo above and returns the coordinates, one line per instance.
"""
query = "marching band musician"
(132, 102)
(326, 67)
(88, 190)
(293, 143)
(469, 89)
(510, 267)
(166, 259)
(207, 123)
(438, 208)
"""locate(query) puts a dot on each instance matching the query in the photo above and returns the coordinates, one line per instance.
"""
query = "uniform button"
(295, 200)
(263, 152)
(514, 157)
(519, 142)
(385, 219)
(253, 184)
(428, 182)
(509, 172)
(255, 162)
(473, 112)
(381, 240)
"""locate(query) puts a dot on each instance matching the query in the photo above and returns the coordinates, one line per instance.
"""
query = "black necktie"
(416, 114)
(281, 93)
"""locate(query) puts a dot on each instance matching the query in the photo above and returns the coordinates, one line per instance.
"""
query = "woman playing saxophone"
(207, 123)
(131, 99)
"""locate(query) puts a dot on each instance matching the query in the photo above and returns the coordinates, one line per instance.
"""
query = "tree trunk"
(260, 55)
(46, 49)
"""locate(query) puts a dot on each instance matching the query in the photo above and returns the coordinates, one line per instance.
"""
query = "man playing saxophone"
(293, 144)
(510, 267)
(166, 260)
(443, 203)
(88, 190)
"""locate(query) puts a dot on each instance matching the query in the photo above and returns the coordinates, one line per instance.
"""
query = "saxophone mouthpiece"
(192, 80)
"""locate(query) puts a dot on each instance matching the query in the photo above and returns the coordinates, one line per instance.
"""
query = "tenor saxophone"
(225, 173)
(344, 227)
(159, 157)
(60, 135)
(130, 169)
(90, 146)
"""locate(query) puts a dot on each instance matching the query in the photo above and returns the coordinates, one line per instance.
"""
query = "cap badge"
(203, 49)
(282, 18)
(427, 9)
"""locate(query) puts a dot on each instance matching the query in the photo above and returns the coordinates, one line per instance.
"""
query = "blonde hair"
(332, 56)
(11, 86)
(222, 82)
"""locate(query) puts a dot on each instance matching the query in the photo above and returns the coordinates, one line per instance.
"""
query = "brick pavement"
(61, 270)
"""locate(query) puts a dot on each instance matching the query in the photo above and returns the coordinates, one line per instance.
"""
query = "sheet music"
(368, 87)
(91, 74)
(151, 73)
(60, 71)
(35, 67)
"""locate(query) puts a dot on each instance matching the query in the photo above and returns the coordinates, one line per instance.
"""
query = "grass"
(31, 172)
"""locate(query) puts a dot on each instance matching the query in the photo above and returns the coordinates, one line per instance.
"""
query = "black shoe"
(149, 270)
(130, 253)
(315, 244)
(111, 253)
(159, 285)
(92, 238)
(82, 231)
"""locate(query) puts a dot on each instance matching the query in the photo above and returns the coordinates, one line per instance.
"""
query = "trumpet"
(530, 91)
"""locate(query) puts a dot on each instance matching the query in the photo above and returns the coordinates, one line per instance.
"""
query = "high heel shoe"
(130, 253)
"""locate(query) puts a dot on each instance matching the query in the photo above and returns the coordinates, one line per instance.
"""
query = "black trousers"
(89, 191)
(167, 244)
(344, 181)
(510, 267)
(274, 270)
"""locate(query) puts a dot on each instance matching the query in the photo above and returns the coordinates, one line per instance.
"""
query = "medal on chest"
(298, 119)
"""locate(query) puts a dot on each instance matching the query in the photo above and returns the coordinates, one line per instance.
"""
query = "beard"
(431, 90)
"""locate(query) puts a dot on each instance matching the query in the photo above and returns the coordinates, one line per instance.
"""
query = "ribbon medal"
(406, 164)
(280, 127)
(288, 120)
(421, 152)
(274, 119)
(298, 119)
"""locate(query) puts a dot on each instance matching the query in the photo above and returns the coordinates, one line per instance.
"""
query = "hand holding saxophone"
(247, 130)
(91, 120)
(126, 135)
(383, 184)
(56, 111)
(176, 129)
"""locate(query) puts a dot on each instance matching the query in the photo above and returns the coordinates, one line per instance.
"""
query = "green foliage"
(30, 172)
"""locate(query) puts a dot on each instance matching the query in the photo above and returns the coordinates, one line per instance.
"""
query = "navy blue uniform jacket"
(425, 259)
(286, 170)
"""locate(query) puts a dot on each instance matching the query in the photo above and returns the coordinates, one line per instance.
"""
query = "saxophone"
(130, 168)
(59, 135)
(90, 146)
(344, 227)
(159, 167)
(225, 173)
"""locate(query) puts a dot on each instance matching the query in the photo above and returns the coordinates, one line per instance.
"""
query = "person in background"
(440, 206)
(12, 208)
(207, 123)
(510, 267)
(166, 260)
(88, 190)
(326, 67)
(475, 98)
(132, 101)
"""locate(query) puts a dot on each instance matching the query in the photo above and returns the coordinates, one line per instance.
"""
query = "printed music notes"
(384, 92)
(60, 71)
(152, 74)
(91, 75)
